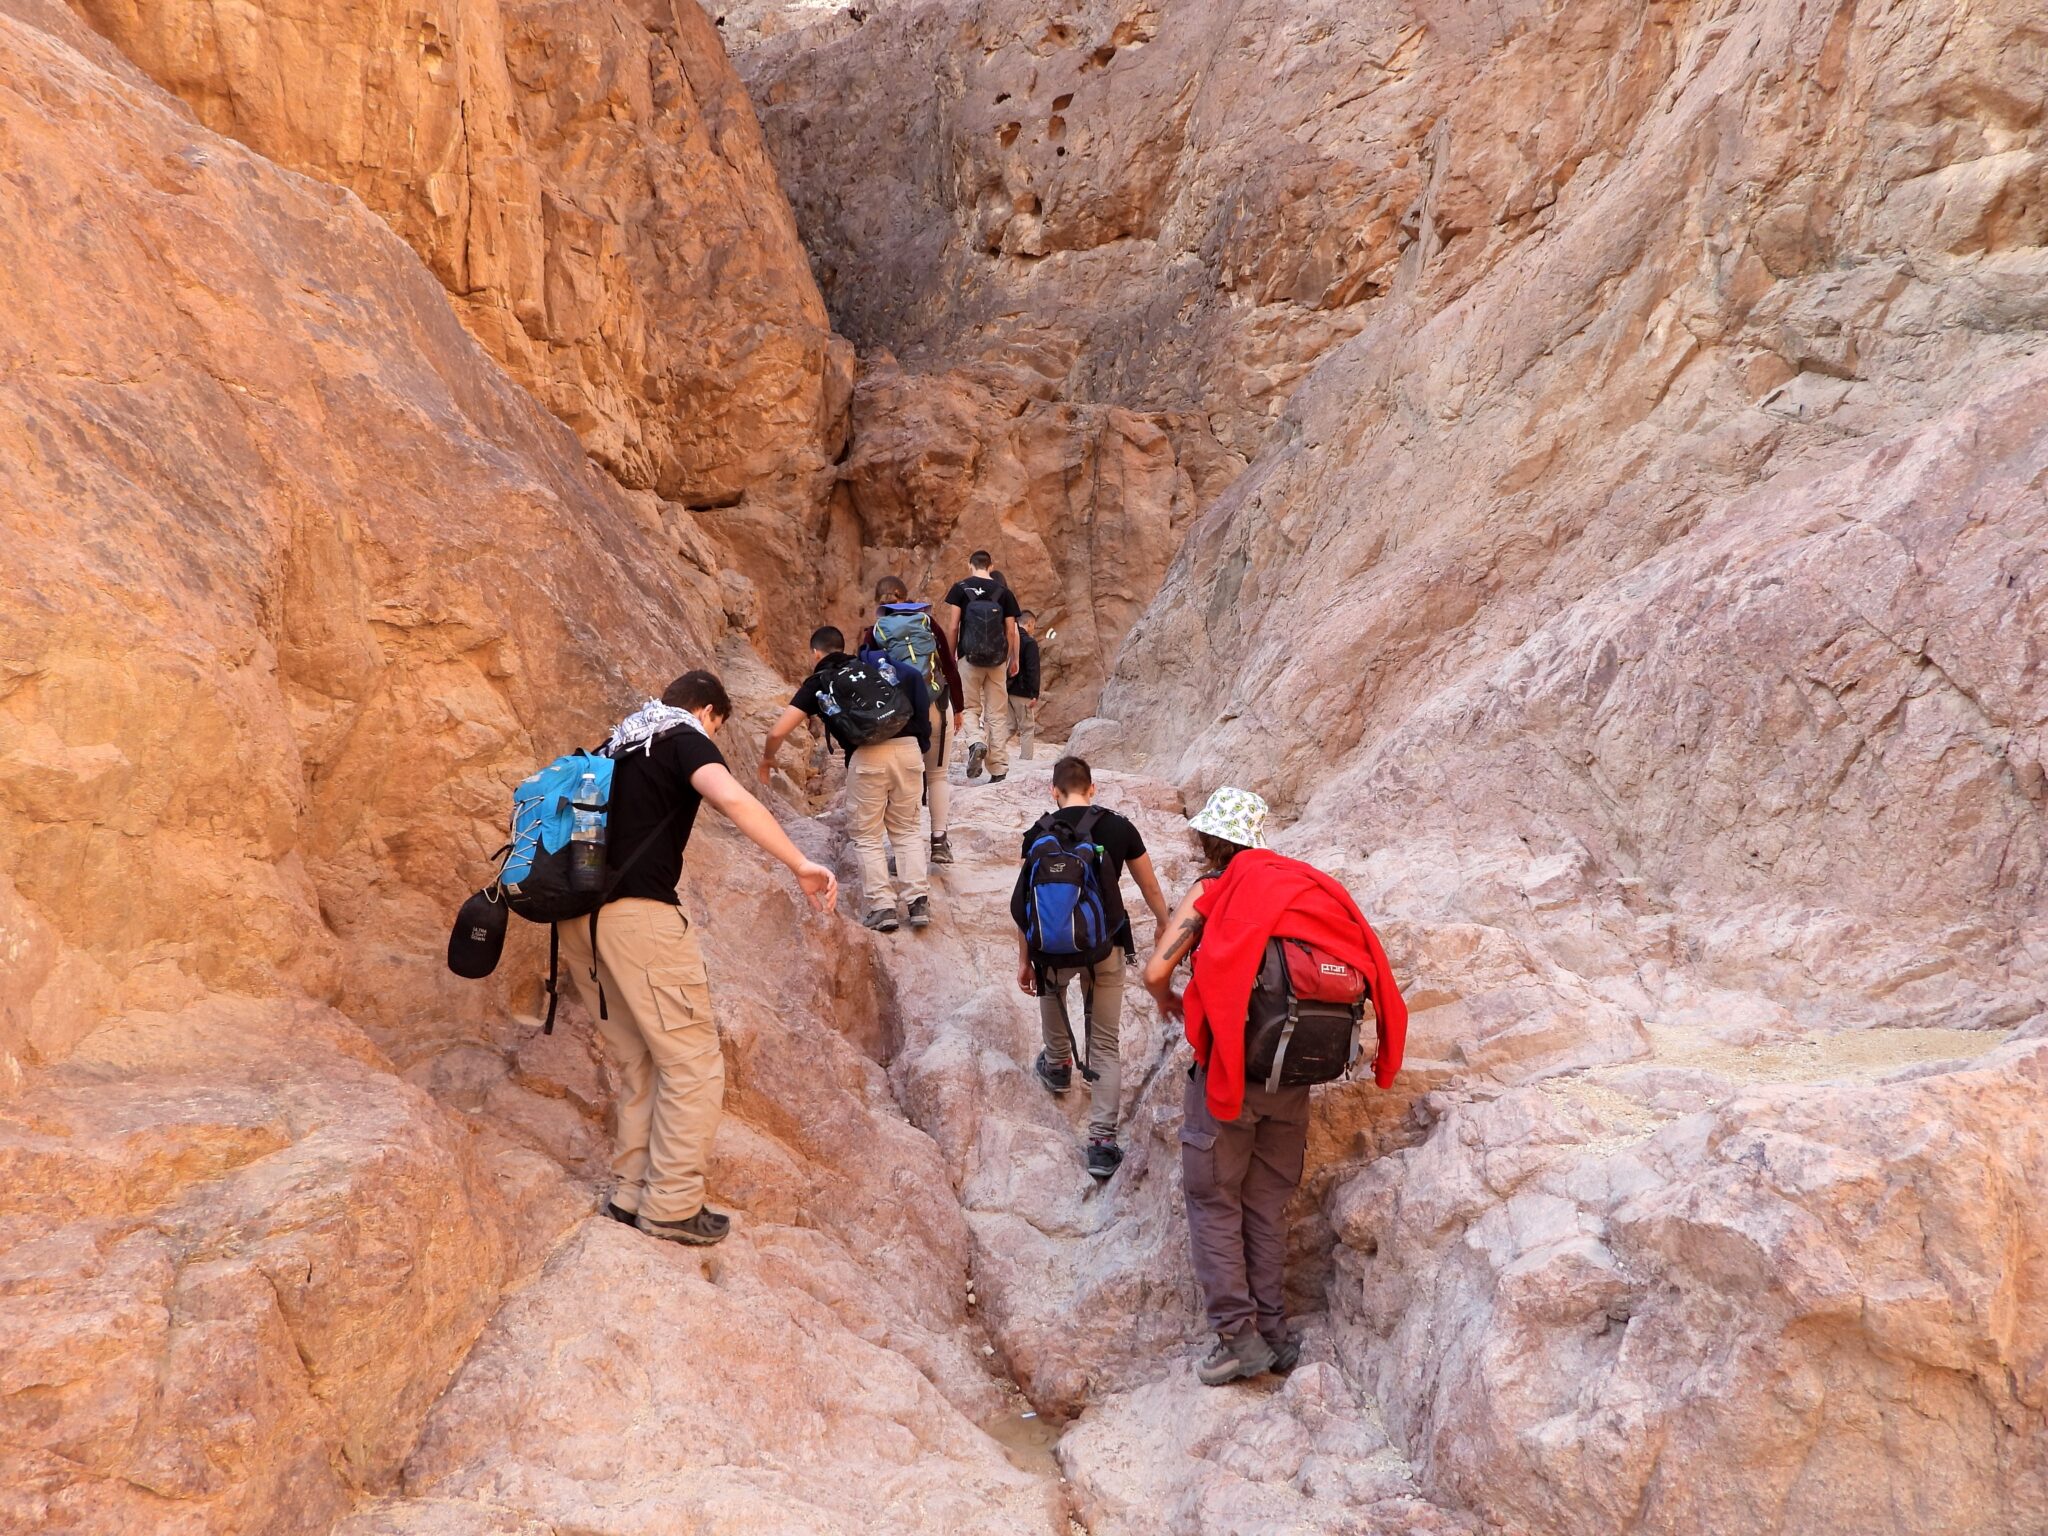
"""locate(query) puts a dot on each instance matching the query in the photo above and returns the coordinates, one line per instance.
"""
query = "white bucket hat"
(1235, 815)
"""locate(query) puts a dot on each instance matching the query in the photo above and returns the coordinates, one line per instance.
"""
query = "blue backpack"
(534, 877)
(535, 874)
(1065, 923)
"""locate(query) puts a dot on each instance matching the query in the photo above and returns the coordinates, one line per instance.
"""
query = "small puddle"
(1027, 1436)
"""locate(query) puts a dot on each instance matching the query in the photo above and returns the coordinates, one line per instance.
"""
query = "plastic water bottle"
(586, 838)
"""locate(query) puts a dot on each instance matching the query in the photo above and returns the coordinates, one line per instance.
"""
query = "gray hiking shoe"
(1104, 1158)
(1286, 1354)
(1057, 1079)
(1244, 1354)
(942, 849)
(700, 1231)
(882, 920)
(997, 778)
(921, 912)
(975, 753)
(620, 1214)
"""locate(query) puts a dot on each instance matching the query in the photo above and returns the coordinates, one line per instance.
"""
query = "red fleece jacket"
(1259, 896)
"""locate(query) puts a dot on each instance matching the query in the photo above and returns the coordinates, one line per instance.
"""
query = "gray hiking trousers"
(1100, 1033)
(1239, 1176)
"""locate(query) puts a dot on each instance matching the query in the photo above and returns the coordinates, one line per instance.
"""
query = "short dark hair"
(981, 559)
(696, 690)
(1071, 775)
(827, 637)
(1218, 851)
(890, 589)
(1026, 614)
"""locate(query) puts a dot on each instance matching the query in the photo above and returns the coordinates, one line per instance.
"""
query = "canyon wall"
(1586, 464)
(304, 583)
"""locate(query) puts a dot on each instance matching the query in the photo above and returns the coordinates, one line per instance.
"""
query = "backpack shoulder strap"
(1090, 820)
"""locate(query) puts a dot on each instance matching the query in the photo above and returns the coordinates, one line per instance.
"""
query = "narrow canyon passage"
(1586, 465)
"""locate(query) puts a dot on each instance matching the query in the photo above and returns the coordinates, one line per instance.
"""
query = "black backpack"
(863, 703)
(1307, 1011)
(984, 642)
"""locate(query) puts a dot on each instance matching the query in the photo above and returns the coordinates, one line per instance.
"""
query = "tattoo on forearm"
(1182, 939)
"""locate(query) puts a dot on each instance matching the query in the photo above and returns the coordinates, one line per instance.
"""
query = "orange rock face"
(589, 184)
(304, 583)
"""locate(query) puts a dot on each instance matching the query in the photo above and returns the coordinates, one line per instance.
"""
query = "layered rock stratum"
(1586, 464)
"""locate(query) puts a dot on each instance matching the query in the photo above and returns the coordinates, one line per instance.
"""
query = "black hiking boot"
(942, 849)
(1286, 1354)
(700, 1231)
(1104, 1158)
(620, 1214)
(1243, 1354)
(882, 920)
(997, 778)
(1057, 1079)
(975, 753)
(920, 912)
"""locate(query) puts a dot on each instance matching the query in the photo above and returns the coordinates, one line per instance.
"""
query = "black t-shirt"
(1025, 684)
(646, 786)
(919, 724)
(972, 587)
(1120, 843)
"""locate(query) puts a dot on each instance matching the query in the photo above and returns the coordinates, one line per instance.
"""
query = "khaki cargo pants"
(661, 1035)
(884, 794)
(988, 695)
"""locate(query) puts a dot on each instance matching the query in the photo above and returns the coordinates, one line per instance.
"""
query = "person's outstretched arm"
(1176, 940)
(719, 788)
(1016, 652)
(1148, 887)
(954, 613)
(792, 717)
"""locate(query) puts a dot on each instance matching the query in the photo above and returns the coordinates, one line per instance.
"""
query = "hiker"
(1023, 686)
(983, 628)
(1283, 967)
(1071, 926)
(905, 631)
(881, 717)
(646, 988)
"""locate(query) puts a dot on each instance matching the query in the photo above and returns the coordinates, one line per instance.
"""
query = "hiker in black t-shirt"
(645, 987)
(884, 778)
(1118, 846)
(982, 624)
(1023, 688)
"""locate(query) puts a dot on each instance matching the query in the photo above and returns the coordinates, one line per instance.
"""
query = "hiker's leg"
(1213, 1157)
(1025, 727)
(1105, 1028)
(867, 805)
(650, 947)
(995, 716)
(905, 769)
(1052, 1018)
(633, 1109)
(1278, 1152)
(938, 793)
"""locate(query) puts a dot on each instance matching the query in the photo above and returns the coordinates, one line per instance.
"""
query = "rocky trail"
(1037, 1376)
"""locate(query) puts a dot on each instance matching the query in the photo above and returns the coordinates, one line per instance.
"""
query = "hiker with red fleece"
(1284, 969)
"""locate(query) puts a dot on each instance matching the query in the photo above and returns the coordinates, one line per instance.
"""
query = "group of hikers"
(1282, 969)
